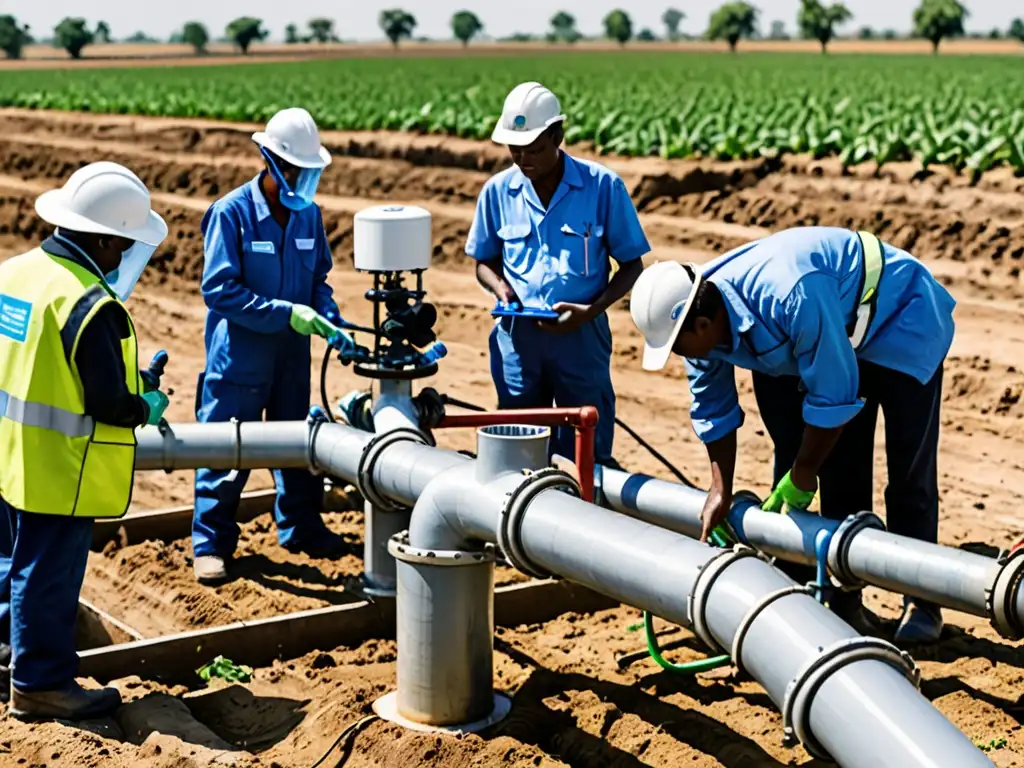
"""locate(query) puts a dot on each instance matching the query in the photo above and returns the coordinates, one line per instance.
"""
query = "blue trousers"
(217, 492)
(533, 368)
(42, 566)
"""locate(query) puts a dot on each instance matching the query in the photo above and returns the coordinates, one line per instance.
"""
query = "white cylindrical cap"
(393, 238)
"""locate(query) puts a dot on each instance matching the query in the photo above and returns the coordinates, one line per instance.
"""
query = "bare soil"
(573, 706)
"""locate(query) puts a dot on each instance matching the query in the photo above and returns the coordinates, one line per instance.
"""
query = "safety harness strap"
(871, 274)
(44, 416)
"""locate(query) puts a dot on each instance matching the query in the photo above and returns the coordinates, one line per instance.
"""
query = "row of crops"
(967, 112)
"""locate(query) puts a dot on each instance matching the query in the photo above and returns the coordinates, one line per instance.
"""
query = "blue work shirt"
(254, 272)
(790, 298)
(562, 253)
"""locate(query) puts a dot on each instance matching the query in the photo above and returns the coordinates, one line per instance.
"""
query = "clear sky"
(358, 20)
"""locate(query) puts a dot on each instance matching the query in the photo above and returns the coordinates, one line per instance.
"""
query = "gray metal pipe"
(445, 610)
(960, 580)
(224, 445)
(784, 634)
(852, 702)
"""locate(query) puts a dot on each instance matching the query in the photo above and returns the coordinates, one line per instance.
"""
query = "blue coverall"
(255, 363)
(43, 557)
(560, 254)
(791, 299)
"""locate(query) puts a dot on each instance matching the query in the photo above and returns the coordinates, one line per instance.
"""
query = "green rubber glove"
(308, 321)
(157, 402)
(787, 493)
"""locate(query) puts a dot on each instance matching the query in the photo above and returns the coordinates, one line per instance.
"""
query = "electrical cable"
(350, 730)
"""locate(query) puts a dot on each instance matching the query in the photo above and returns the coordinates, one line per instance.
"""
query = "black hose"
(323, 382)
(629, 430)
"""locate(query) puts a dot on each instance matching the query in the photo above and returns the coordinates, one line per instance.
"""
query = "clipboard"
(517, 310)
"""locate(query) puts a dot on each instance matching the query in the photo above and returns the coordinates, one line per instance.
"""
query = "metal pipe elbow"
(437, 520)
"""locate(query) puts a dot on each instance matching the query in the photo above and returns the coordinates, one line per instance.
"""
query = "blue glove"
(342, 342)
(157, 402)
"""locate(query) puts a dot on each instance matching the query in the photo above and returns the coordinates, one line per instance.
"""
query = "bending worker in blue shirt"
(264, 282)
(834, 324)
(542, 236)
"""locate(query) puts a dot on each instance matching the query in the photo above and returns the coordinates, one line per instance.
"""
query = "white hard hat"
(529, 110)
(659, 303)
(292, 135)
(105, 199)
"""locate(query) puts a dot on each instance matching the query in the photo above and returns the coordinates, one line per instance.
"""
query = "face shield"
(301, 195)
(122, 280)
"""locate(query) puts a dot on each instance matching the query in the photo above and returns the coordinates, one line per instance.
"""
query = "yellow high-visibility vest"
(54, 459)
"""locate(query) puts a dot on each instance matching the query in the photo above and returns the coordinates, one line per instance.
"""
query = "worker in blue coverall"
(264, 282)
(834, 325)
(542, 236)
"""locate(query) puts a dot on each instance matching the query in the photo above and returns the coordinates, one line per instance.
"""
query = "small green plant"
(991, 746)
(226, 670)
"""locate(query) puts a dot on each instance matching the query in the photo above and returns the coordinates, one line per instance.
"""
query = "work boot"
(921, 623)
(210, 569)
(5, 673)
(325, 544)
(849, 607)
(70, 703)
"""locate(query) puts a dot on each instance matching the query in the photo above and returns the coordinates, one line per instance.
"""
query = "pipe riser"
(379, 566)
(510, 448)
(445, 624)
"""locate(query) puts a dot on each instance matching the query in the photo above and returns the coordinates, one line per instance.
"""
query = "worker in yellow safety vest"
(71, 395)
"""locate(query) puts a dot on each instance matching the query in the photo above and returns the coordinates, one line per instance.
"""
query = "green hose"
(688, 668)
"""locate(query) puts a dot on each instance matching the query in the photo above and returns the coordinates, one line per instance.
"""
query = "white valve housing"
(393, 238)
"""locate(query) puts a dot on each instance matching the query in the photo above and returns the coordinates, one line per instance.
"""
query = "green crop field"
(963, 111)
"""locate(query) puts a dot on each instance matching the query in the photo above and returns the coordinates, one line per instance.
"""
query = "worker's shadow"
(942, 686)
(538, 718)
(292, 578)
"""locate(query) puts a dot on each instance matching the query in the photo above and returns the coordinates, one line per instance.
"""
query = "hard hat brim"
(321, 160)
(509, 138)
(655, 357)
(53, 208)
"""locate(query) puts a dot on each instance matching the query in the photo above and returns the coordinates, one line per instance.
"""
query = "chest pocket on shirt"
(515, 251)
(581, 250)
(306, 249)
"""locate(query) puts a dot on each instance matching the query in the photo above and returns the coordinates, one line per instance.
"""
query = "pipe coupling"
(315, 419)
(702, 585)
(800, 693)
(368, 460)
(399, 548)
(514, 510)
(1003, 594)
(839, 548)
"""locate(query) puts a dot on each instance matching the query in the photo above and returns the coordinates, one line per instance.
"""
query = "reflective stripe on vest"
(871, 274)
(44, 416)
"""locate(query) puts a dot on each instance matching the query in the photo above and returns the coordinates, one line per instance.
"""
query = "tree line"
(933, 20)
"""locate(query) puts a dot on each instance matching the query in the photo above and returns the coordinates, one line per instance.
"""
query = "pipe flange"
(371, 453)
(756, 610)
(1002, 595)
(709, 573)
(400, 549)
(839, 548)
(800, 693)
(514, 509)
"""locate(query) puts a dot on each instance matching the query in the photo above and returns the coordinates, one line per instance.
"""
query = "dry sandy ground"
(168, 54)
(573, 706)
